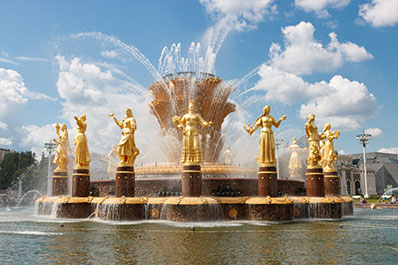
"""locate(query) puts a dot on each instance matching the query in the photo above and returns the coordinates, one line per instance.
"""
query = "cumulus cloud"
(375, 132)
(342, 102)
(303, 54)
(380, 13)
(14, 95)
(392, 150)
(239, 15)
(320, 6)
(88, 88)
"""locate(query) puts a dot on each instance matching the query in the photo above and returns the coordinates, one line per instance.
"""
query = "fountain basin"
(193, 209)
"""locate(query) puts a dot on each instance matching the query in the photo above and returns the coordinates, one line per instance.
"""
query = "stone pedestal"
(315, 182)
(125, 181)
(267, 181)
(81, 183)
(60, 183)
(191, 184)
(332, 183)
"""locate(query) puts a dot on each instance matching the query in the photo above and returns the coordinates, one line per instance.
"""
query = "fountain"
(257, 199)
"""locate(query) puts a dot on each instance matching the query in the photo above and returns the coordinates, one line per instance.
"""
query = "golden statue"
(126, 148)
(314, 155)
(228, 156)
(295, 161)
(61, 154)
(191, 150)
(328, 154)
(266, 155)
(82, 159)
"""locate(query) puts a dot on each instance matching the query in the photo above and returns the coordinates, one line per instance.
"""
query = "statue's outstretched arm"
(203, 123)
(277, 123)
(116, 120)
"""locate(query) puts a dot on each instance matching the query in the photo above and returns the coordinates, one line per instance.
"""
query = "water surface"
(368, 237)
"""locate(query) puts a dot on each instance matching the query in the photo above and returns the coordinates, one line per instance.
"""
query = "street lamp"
(278, 142)
(49, 146)
(364, 139)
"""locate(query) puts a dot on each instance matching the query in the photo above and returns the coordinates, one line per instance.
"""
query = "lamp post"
(278, 142)
(364, 139)
(49, 146)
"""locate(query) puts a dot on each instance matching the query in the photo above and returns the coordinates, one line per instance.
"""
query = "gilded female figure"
(126, 148)
(61, 154)
(328, 154)
(267, 142)
(314, 155)
(191, 150)
(82, 154)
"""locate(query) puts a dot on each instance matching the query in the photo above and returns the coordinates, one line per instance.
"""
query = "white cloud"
(380, 13)
(304, 55)
(392, 150)
(239, 15)
(3, 126)
(320, 6)
(36, 136)
(5, 141)
(14, 95)
(375, 132)
(283, 86)
(86, 88)
(342, 102)
(110, 54)
(232, 15)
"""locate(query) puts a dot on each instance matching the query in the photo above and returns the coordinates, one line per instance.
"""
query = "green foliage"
(14, 165)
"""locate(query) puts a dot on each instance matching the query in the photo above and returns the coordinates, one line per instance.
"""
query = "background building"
(382, 172)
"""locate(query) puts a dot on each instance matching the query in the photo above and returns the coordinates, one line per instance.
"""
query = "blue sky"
(336, 58)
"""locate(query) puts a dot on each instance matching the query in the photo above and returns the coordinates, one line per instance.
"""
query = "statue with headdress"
(329, 156)
(82, 159)
(61, 158)
(314, 138)
(295, 162)
(266, 154)
(188, 124)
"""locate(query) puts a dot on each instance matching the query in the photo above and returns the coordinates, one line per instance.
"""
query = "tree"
(13, 166)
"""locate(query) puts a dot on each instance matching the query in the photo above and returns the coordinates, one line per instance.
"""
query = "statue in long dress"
(266, 154)
(311, 131)
(328, 154)
(112, 162)
(295, 161)
(126, 148)
(82, 159)
(61, 158)
(228, 156)
(188, 124)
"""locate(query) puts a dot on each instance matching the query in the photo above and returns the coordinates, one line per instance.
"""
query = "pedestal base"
(267, 181)
(315, 182)
(332, 183)
(81, 183)
(60, 183)
(125, 181)
(191, 184)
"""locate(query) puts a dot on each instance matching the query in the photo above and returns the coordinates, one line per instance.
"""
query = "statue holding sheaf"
(188, 124)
